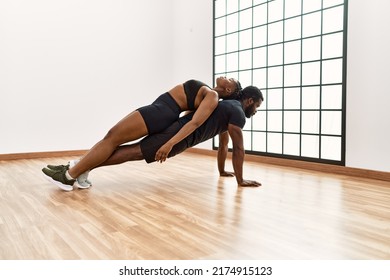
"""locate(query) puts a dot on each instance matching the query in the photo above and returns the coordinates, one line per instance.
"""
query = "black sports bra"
(191, 88)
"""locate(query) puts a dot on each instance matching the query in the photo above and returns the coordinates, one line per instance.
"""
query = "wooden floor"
(182, 209)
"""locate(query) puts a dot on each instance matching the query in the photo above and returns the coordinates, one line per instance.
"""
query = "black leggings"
(160, 114)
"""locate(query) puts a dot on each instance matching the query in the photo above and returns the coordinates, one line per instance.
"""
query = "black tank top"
(191, 88)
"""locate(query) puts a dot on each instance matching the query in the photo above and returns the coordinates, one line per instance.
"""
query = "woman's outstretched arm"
(202, 113)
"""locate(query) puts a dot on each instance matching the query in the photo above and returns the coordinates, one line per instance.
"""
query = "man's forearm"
(238, 162)
(222, 154)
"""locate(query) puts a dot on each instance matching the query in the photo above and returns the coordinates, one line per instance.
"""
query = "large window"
(295, 52)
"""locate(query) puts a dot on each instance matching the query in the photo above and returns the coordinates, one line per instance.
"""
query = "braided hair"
(236, 93)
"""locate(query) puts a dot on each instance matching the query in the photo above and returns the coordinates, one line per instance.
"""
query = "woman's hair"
(251, 92)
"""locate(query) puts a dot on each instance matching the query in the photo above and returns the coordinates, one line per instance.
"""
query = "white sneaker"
(82, 181)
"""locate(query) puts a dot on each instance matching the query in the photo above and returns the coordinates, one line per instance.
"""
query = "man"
(228, 117)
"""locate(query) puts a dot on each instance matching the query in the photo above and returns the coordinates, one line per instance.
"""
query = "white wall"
(368, 94)
(111, 58)
(71, 69)
(193, 44)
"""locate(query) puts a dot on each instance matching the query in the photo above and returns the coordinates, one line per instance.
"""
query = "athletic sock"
(68, 175)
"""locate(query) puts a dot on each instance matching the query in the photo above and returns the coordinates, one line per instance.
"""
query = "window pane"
(220, 64)
(292, 8)
(310, 122)
(259, 15)
(274, 121)
(275, 10)
(331, 123)
(245, 4)
(220, 8)
(232, 23)
(292, 75)
(260, 78)
(264, 105)
(311, 73)
(259, 141)
(332, 71)
(259, 121)
(233, 75)
(245, 40)
(292, 98)
(220, 45)
(246, 19)
(248, 125)
(292, 52)
(292, 29)
(275, 33)
(275, 99)
(331, 148)
(311, 5)
(292, 121)
(232, 42)
(274, 143)
(247, 140)
(260, 57)
(310, 146)
(275, 55)
(291, 144)
(232, 62)
(260, 36)
(275, 77)
(245, 77)
(332, 45)
(220, 26)
(245, 60)
(311, 98)
(330, 3)
(331, 97)
(333, 19)
(312, 24)
(311, 49)
(256, 2)
(232, 6)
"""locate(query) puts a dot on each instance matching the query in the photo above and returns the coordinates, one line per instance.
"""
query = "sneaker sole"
(76, 184)
(58, 184)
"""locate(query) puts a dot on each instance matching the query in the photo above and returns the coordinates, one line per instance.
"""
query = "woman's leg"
(130, 128)
(124, 153)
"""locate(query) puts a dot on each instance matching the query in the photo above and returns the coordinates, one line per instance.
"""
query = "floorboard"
(183, 210)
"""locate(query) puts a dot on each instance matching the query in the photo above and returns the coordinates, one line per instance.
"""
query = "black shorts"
(150, 144)
(160, 114)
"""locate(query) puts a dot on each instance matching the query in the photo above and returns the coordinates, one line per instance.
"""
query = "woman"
(154, 118)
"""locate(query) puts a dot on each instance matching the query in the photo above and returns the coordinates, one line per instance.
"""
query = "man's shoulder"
(233, 109)
(230, 103)
(233, 106)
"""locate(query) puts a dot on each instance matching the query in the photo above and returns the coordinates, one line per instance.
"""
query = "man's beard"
(250, 110)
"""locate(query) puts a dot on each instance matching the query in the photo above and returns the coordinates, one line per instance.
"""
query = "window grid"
(278, 77)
